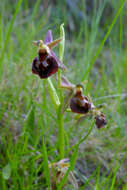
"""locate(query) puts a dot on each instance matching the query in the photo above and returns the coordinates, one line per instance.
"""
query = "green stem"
(74, 157)
(86, 136)
(44, 94)
(60, 115)
(82, 139)
(61, 142)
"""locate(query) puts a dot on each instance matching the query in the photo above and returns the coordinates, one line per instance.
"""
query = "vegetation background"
(26, 111)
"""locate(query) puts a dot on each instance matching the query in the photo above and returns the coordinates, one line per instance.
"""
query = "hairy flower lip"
(77, 108)
(35, 65)
(46, 68)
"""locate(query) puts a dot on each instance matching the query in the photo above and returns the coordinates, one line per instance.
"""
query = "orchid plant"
(45, 65)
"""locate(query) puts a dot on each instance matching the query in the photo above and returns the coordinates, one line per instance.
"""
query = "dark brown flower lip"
(76, 107)
(35, 65)
(46, 68)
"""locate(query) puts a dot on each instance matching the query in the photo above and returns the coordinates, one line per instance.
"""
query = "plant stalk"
(60, 115)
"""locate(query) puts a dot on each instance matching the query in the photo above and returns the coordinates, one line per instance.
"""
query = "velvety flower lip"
(46, 68)
(35, 65)
(80, 106)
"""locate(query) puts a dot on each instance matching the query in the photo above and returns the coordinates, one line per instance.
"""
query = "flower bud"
(100, 121)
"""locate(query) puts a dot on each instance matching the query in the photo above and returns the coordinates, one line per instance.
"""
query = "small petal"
(65, 83)
(54, 43)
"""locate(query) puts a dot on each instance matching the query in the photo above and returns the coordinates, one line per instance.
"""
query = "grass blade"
(8, 37)
(46, 167)
(103, 42)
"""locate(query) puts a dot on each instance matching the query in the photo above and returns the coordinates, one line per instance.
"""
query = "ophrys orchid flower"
(46, 63)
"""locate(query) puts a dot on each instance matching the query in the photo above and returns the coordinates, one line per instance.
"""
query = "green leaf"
(53, 93)
(62, 43)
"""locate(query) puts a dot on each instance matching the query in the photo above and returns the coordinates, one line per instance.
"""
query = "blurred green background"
(26, 111)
